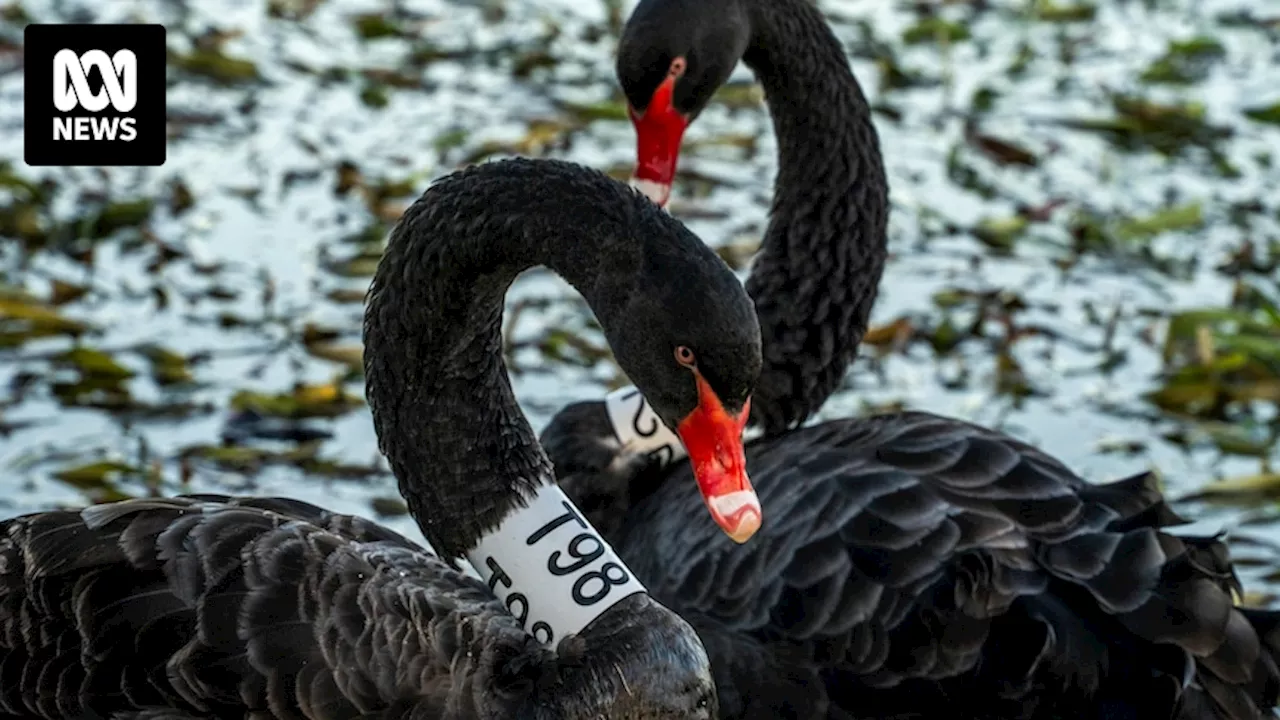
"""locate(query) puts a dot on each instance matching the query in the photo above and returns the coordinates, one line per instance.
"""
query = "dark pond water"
(1086, 229)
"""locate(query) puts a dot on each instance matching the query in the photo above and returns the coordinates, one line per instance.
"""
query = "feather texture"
(906, 563)
(216, 607)
(911, 560)
(206, 606)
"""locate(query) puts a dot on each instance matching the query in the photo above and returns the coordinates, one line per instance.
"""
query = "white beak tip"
(737, 513)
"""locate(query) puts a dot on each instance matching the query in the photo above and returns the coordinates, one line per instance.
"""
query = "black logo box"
(41, 43)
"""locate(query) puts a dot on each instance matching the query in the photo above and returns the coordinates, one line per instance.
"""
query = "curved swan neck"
(446, 418)
(816, 277)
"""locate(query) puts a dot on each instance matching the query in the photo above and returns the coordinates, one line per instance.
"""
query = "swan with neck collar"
(911, 562)
(815, 278)
(209, 606)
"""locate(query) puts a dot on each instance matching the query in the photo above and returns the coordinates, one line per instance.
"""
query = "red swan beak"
(713, 438)
(658, 133)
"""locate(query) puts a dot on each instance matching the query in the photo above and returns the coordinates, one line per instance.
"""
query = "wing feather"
(206, 606)
(913, 559)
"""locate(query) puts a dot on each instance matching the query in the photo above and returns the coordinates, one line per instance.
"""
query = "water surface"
(1065, 180)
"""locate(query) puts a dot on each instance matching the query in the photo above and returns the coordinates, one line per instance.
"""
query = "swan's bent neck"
(442, 404)
(815, 279)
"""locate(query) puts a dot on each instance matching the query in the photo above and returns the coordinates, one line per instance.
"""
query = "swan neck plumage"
(444, 411)
(815, 280)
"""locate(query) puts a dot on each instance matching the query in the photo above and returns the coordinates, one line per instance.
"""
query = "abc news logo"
(94, 95)
(71, 89)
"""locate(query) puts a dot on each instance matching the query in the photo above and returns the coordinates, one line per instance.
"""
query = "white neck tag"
(638, 428)
(551, 568)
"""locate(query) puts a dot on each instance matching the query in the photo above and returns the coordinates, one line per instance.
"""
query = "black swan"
(218, 607)
(909, 565)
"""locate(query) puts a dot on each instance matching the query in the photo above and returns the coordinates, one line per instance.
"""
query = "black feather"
(902, 581)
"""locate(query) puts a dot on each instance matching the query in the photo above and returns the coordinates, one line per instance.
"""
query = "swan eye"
(684, 356)
(678, 66)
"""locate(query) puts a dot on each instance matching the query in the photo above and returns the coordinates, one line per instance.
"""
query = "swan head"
(673, 56)
(693, 350)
